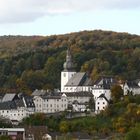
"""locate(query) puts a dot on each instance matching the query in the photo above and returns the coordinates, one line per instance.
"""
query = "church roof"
(79, 79)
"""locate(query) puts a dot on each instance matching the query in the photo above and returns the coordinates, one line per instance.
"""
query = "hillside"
(30, 62)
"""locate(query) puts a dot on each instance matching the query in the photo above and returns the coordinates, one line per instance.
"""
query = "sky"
(49, 17)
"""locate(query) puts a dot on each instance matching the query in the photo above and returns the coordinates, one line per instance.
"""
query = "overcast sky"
(47, 17)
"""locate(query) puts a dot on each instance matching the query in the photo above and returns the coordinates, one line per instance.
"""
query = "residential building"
(101, 103)
(131, 87)
(14, 133)
(50, 103)
(103, 86)
(13, 110)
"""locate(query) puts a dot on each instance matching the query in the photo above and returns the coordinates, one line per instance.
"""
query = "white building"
(72, 81)
(81, 97)
(131, 87)
(79, 107)
(103, 86)
(13, 110)
(101, 103)
(13, 133)
(50, 103)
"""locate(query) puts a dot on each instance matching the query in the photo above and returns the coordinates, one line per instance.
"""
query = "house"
(72, 81)
(50, 102)
(14, 133)
(81, 97)
(103, 86)
(29, 104)
(101, 103)
(131, 87)
(79, 107)
(13, 110)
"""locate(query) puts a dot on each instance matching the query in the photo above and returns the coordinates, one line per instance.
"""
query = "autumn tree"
(116, 93)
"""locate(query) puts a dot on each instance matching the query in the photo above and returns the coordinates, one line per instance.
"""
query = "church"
(72, 81)
(76, 85)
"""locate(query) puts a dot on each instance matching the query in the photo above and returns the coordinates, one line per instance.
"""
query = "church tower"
(68, 71)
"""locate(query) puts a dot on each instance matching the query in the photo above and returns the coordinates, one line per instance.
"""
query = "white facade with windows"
(101, 103)
(132, 87)
(14, 114)
(50, 103)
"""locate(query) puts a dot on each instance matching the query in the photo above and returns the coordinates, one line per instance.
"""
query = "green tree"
(116, 93)
(134, 134)
(64, 127)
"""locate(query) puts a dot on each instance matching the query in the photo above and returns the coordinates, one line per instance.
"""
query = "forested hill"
(30, 62)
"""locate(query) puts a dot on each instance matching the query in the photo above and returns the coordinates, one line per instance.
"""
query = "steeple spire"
(68, 65)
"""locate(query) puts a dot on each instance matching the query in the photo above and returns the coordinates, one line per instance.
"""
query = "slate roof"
(79, 79)
(103, 96)
(79, 94)
(9, 97)
(133, 84)
(11, 105)
(52, 95)
(29, 101)
(39, 92)
(1, 96)
(104, 82)
(76, 102)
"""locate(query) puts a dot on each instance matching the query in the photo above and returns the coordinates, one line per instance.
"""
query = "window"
(98, 108)
(64, 75)
(103, 102)
(103, 107)
(98, 103)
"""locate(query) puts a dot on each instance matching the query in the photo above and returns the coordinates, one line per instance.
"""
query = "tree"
(116, 93)
(91, 103)
(134, 134)
(64, 126)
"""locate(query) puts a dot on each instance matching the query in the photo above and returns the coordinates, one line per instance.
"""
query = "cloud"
(13, 11)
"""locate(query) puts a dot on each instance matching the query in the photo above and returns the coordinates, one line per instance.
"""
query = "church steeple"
(68, 71)
(68, 65)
